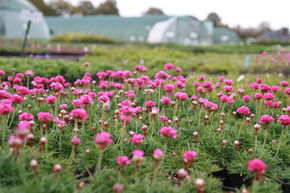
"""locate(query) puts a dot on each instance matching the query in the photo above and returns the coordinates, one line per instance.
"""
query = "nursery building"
(186, 30)
(14, 21)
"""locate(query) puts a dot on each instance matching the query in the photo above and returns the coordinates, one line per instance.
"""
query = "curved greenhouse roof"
(225, 36)
(119, 28)
(150, 28)
(13, 25)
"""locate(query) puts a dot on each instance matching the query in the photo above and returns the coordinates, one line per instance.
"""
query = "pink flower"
(103, 99)
(79, 114)
(138, 155)
(259, 80)
(23, 128)
(181, 96)
(2, 73)
(256, 165)
(275, 88)
(157, 154)
(149, 104)
(284, 119)
(243, 110)
(229, 82)
(123, 161)
(137, 139)
(266, 119)
(56, 87)
(287, 91)
(5, 108)
(45, 117)
(26, 116)
(165, 100)
(189, 157)
(75, 140)
(63, 106)
(246, 98)
(178, 69)
(169, 87)
(103, 139)
(168, 66)
(201, 77)
(264, 88)
(224, 98)
(269, 96)
(258, 96)
(168, 132)
(284, 83)
(50, 99)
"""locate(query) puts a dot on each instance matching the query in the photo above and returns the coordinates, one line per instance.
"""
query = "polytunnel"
(225, 36)
(13, 25)
(186, 30)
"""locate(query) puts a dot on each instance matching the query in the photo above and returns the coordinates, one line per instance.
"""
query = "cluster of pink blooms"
(121, 88)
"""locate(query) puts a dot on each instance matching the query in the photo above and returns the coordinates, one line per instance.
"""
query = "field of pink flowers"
(123, 131)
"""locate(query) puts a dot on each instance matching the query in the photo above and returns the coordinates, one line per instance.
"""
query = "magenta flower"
(157, 154)
(257, 166)
(137, 139)
(284, 119)
(123, 161)
(284, 83)
(243, 110)
(25, 117)
(168, 66)
(79, 114)
(189, 157)
(149, 104)
(246, 98)
(50, 99)
(5, 108)
(266, 119)
(45, 117)
(103, 139)
(169, 88)
(75, 140)
(138, 155)
(168, 132)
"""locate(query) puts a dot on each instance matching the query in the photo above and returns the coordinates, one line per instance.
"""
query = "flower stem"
(100, 158)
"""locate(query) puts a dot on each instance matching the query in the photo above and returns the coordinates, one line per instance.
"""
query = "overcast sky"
(247, 13)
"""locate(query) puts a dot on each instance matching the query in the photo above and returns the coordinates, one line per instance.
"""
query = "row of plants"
(124, 131)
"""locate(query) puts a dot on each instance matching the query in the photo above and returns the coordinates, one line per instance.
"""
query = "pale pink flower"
(103, 139)
(168, 132)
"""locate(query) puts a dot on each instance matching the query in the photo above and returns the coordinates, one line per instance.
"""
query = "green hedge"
(81, 38)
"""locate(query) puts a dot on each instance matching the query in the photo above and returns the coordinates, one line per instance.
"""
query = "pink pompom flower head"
(45, 117)
(188, 158)
(266, 120)
(243, 110)
(138, 156)
(75, 141)
(137, 139)
(257, 166)
(103, 140)
(168, 132)
(284, 120)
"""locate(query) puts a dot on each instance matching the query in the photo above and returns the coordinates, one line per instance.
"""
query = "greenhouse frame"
(13, 25)
(186, 30)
